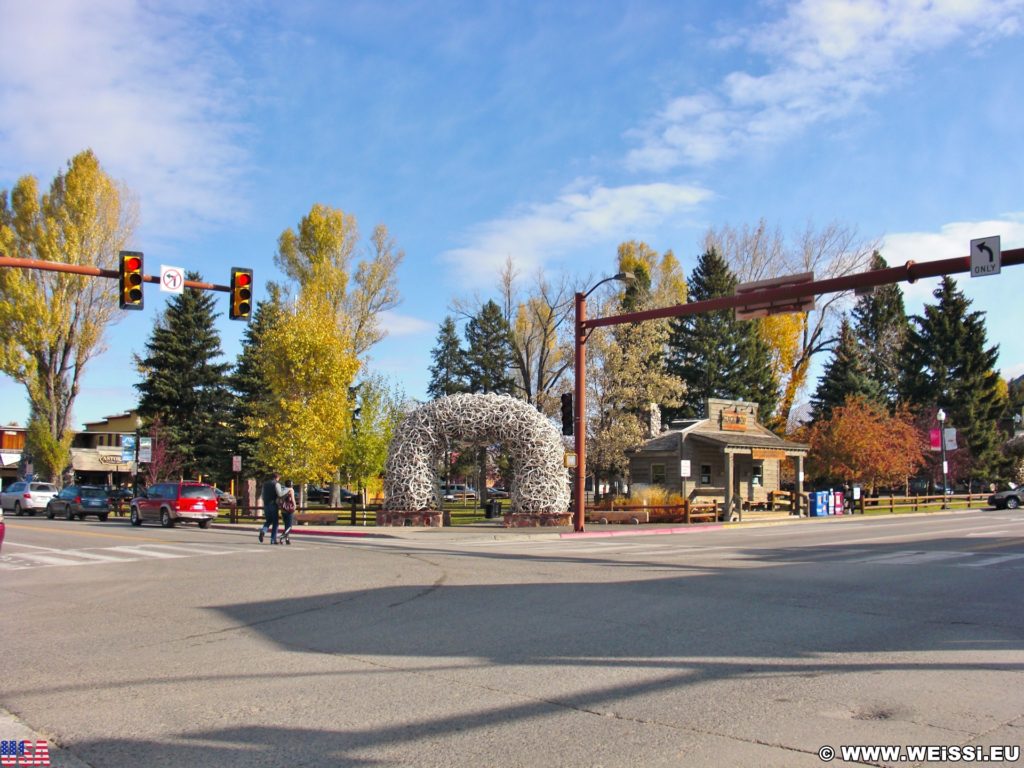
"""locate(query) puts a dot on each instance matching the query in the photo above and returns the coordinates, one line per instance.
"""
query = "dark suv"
(176, 502)
(78, 501)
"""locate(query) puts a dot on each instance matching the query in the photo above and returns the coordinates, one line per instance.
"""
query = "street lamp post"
(941, 417)
(135, 479)
(579, 403)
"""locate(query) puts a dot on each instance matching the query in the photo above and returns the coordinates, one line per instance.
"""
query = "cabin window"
(705, 474)
(757, 474)
(657, 474)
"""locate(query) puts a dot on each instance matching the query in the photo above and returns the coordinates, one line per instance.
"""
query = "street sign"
(172, 279)
(236, 463)
(684, 467)
(761, 307)
(127, 448)
(986, 256)
(145, 450)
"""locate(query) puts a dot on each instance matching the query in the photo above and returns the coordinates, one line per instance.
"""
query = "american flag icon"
(25, 752)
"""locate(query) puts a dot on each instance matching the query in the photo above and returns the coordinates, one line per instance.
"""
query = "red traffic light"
(130, 280)
(240, 307)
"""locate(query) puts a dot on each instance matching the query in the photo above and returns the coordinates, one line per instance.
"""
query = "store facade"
(728, 458)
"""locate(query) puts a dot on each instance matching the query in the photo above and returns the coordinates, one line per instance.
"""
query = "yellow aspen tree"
(324, 252)
(52, 323)
(308, 364)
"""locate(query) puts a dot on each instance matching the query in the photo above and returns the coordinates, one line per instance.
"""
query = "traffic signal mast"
(130, 278)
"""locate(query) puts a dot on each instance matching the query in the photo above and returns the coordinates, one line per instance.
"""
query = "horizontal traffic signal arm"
(909, 272)
(79, 269)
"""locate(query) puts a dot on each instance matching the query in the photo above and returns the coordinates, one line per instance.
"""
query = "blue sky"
(544, 132)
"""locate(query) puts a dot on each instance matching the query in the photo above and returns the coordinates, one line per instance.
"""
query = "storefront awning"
(750, 442)
(93, 460)
(9, 459)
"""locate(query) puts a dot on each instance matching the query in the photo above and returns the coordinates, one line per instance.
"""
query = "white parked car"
(24, 497)
(457, 493)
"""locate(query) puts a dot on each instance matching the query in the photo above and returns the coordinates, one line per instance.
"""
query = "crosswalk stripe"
(912, 558)
(40, 557)
(147, 551)
(49, 559)
(986, 561)
(95, 556)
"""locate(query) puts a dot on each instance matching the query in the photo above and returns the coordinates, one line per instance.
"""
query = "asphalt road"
(732, 647)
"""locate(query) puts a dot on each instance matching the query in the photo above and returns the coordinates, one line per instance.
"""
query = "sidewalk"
(493, 529)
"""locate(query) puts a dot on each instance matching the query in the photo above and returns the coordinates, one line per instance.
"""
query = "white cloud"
(951, 241)
(403, 325)
(582, 215)
(142, 85)
(823, 58)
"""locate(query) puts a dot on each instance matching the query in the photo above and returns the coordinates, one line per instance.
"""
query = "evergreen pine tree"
(248, 384)
(880, 325)
(947, 364)
(845, 375)
(184, 385)
(448, 372)
(489, 359)
(715, 354)
(489, 351)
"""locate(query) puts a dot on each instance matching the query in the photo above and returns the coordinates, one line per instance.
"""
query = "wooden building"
(725, 457)
(96, 452)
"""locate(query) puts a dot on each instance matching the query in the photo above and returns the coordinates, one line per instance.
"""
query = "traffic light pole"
(579, 427)
(81, 269)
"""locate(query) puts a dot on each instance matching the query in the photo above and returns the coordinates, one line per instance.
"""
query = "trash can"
(492, 510)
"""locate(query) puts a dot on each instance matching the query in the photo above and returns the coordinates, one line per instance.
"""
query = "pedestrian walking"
(271, 493)
(286, 504)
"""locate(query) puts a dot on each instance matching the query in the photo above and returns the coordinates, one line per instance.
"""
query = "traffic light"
(130, 280)
(241, 293)
(567, 414)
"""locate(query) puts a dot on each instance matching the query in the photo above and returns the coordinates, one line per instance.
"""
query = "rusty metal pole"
(579, 417)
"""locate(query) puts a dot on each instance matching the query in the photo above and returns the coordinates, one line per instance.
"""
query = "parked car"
(119, 494)
(323, 495)
(225, 499)
(457, 493)
(172, 503)
(497, 493)
(1011, 498)
(317, 494)
(24, 497)
(78, 501)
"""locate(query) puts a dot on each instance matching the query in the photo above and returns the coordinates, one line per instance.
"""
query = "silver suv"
(24, 497)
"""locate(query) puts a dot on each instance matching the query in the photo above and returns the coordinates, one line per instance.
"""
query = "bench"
(318, 518)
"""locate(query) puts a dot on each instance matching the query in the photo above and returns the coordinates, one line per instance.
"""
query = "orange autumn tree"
(862, 443)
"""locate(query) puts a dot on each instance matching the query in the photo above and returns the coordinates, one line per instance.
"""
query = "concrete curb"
(13, 728)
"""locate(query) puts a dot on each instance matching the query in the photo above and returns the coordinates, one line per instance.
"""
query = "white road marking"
(983, 562)
(51, 557)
